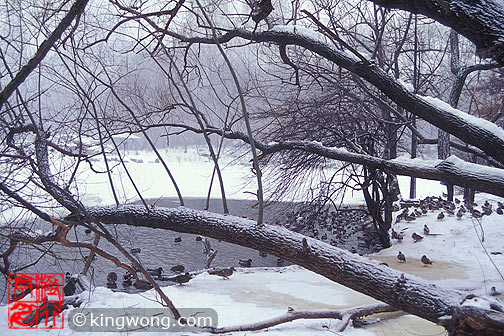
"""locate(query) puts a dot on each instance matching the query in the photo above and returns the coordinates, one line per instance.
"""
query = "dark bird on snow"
(476, 214)
(181, 279)
(142, 284)
(245, 263)
(135, 250)
(460, 214)
(178, 268)
(426, 229)
(397, 235)
(87, 231)
(494, 292)
(401, 257)
(416, 237)
(225, 273)
(425, 260)
(486, 211)
(198, 238)
(178, 239)
(440, 216)
(499, 211)
(409, 218)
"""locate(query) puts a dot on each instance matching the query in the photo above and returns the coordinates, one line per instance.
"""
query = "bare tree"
(100, 74)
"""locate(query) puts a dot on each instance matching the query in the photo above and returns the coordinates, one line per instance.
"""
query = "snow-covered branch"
(451, 171)
(344, 315)
(482, 22)
(475, 131)
(359, 273)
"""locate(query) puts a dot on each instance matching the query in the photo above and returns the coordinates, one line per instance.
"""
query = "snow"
(312, 35)
(481, 170)
(470, 119)
(458, 243)
(461, 252)
(477, 302)
(300, 30)
(418, 162)
(191, 168)
(407, 86)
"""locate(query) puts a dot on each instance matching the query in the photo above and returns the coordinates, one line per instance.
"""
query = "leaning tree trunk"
(406, 292)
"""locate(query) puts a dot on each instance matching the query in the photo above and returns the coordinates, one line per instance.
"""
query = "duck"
(225, 273)
(401, 257)
(494, 292)
(397, 235)
(416, 237)
(440, 216)
(112, 277)
(127, 279)
(157, 272)
(199, 238)
(69, 288)
(426, 229)
(142, 284)
(87, 231)
(180, 279)
(178, 239)
(178, 268)
(425, 260)
(245, 263)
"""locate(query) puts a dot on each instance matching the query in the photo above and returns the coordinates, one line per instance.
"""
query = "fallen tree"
(405, 292)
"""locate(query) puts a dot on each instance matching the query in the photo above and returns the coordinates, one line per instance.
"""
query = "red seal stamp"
(36, 300)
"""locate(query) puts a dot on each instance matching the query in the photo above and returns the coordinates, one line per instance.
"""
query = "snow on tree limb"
(481, 134)
(482, 22)
(452, 170)
(359, 273)
(345, 315)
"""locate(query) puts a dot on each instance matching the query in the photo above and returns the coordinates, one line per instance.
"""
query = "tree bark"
(475, 131)
(478, 177)
(75, 11)
(409, 293)
(479, 21)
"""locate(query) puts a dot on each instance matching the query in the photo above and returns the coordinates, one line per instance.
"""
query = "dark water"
(159, 249)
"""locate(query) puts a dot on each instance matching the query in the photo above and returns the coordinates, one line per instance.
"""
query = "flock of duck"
(348, 228)
(158, 273)
(181, 279)
(411, 210)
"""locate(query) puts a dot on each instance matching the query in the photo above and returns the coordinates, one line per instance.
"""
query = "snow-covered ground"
(461, 251)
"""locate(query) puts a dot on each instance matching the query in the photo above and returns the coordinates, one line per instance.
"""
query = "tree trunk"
(409, 293)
